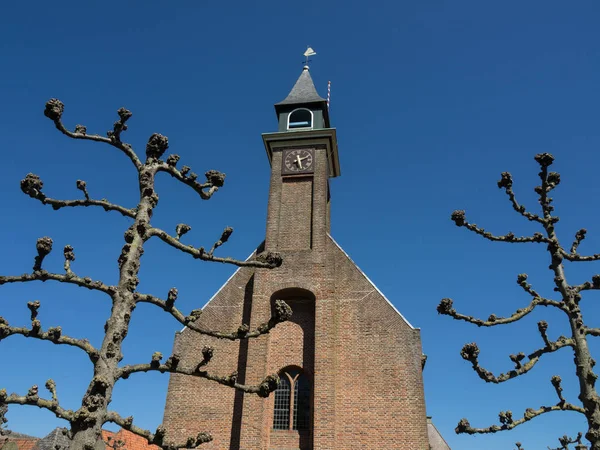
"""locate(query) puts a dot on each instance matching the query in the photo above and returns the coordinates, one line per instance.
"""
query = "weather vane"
(309, 52)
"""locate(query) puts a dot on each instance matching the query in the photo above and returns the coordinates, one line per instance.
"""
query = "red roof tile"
(132, 441)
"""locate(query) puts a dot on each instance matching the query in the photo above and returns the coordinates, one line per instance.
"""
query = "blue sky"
(431, 100)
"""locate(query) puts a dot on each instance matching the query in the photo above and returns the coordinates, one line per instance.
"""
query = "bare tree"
(86, 422)
(568, 302)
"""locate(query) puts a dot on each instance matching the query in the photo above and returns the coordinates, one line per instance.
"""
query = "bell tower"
(348, 362)
(303, 155)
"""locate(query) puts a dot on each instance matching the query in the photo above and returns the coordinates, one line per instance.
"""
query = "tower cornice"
(322, 136)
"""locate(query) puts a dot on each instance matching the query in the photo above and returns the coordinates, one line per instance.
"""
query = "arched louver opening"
(300, 118)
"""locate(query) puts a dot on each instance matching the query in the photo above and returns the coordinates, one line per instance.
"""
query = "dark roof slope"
(436, 441)
(54, 438)
(303, 91)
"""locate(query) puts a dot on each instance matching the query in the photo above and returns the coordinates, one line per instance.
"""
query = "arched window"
(300, 118)
(292, 401)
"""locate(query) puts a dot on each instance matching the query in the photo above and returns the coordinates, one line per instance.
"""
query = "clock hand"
(299, 162)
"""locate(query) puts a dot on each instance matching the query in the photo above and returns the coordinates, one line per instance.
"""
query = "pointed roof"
(303, 91)
(54, 438)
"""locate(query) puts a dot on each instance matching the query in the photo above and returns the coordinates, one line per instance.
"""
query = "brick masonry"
(362, 358)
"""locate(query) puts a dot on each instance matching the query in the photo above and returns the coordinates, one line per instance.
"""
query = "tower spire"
(304, 91)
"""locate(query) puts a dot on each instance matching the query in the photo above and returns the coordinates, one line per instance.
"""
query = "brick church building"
(350, 364)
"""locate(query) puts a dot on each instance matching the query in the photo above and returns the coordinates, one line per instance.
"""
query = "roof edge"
(372, 284)
(430, 422)
(227, 281)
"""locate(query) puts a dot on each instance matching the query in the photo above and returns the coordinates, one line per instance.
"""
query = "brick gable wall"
(362, 358)
(368, 389)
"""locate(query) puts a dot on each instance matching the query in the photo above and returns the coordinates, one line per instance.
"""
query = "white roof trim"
(224, 284)
(372, 284)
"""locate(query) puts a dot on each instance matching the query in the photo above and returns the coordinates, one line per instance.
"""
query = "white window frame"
(312, 119)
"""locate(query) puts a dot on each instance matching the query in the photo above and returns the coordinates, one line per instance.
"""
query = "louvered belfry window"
(292, 401)
(300, 118)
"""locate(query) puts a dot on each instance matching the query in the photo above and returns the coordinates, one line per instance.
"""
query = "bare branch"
(459, 219)
(32, 185)
(592, 331)
(508, 423)
(181, 229)
(556, 383)
(53, 334)
(105, 204)
(54, 110)
(156, 438)
(51, 386)
(69, 258)
(267, 260)
(470, 352)
(44, 247)
(579, 236)
(522, 281)
(506, 184)
(224, 238)
(445, 308)
(268, 385)
(566, 440)
(549, 182)
(42, 275)
(575, 257)
(214, 179)
(543, 327)
(281, 313)
(32, 398)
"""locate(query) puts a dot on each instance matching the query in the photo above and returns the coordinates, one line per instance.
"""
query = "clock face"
(298, 161)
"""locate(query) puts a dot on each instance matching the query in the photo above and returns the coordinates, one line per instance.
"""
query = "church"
(350, 365)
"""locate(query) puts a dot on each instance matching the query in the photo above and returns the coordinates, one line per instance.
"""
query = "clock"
(298, 161)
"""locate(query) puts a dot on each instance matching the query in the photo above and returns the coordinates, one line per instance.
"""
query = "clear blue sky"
(432, 100)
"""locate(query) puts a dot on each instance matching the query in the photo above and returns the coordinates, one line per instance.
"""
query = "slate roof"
(436, 441)
(54, 438)
(304, 91)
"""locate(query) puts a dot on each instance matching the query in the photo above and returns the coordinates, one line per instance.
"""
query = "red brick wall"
(295, 215)
(193, 404)
(362, 357)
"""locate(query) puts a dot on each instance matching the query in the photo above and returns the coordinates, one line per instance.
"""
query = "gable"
(347, 268)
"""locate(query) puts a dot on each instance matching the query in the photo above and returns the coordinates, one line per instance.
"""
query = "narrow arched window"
(292, 401)
(300, 118)
(281, 416)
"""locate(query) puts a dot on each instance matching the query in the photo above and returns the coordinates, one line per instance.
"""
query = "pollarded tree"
(569, 297)
(86, 422)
